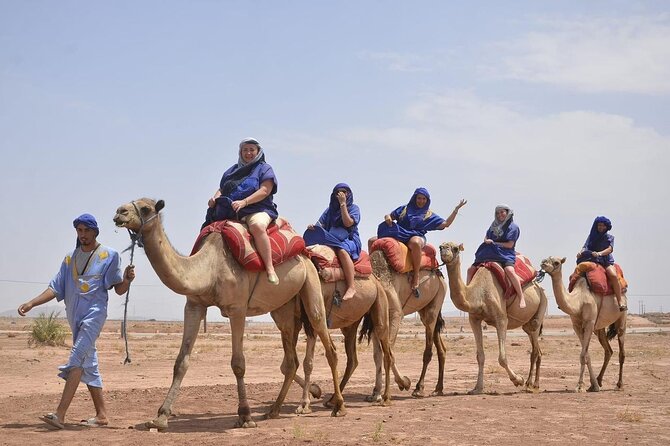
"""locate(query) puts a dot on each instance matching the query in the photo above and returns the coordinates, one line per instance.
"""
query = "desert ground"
(205, 411)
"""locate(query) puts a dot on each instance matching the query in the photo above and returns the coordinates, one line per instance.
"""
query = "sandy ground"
(205, 411)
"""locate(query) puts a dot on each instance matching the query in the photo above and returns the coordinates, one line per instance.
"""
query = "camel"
(370, 301)
(590, 313)
(212, 277)
(432, 289)
(484, 301)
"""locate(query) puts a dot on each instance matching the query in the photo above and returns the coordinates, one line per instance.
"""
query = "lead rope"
(136, 239)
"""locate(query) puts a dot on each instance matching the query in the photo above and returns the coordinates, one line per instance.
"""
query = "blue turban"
(87, 220)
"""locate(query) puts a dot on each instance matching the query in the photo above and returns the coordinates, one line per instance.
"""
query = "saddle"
(523, 268)
(399, 257)
(596, 278)
(328, 265)
(284, 242)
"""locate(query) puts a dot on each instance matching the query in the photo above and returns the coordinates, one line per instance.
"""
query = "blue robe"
(238, 183)
(85, 299)
(489, 252)
(330, 229)
(410, 220)
(598, 241)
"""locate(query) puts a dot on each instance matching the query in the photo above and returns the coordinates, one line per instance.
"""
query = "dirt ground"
(205, 411)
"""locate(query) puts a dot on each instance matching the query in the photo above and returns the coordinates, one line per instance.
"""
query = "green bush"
(47, 330)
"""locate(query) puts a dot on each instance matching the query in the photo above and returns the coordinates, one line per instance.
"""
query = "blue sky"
(558, 109)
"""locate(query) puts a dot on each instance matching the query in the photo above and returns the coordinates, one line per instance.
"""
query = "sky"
(558, 109)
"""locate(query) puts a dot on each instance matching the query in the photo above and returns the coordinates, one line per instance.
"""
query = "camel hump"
(284, 241)
(398, 254)
(596, 278)
(328, 265)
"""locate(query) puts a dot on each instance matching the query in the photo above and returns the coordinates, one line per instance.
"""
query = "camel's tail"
(611, 332)
(306, 324)
(380, 266)
(439, 324)
(366, 329)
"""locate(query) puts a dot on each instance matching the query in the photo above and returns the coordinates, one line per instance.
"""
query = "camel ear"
(461, 247)
(563, 260)
(160, 204)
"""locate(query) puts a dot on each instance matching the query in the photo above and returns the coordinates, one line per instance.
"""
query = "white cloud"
(592, 54)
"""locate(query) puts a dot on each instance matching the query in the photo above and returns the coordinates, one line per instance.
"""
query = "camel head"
(552, 265)
(139, 214)
(449, 252)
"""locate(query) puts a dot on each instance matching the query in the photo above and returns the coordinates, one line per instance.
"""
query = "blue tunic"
(238, 183)
(490, 252)
(411, 220)
(330, 230)
(86, 307)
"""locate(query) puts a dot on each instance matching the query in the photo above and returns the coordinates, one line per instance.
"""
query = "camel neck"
(457, 288)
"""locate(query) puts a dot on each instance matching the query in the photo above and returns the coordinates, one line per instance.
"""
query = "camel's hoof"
(329, 403)
(385, 402)
(303, 410)
(245, 423)
(532, 389)
(619, 386)
(405, 384)
(338, 412)
(437, 393)
(418, 393)
(373, 398)
(271, 415)
(476, 391)
(315, 391)
(158, 423)
(580, 389)
(593, 389)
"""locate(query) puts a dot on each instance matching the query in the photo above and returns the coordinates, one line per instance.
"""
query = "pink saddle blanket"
(523, 268)
(284, 242)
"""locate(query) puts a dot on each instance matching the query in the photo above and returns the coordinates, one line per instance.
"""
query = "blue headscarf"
(598, 241)
(413, 214)
(333, 216)
(87, 220)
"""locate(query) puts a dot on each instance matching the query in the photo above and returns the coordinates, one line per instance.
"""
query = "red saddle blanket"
(327, 263)
(399, 256)
(596, 278)
(523, 268)
(284, 241)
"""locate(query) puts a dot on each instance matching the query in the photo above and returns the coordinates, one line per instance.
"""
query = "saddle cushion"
(326, 261)
(523, 268)
(399, 257)
(596, 278)
(284, 242)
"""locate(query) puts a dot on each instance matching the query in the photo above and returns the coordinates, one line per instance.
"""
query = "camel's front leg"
(193, 314)
(584, 333)
(621, 334)
(289, 326)
(476, 326)
(379, 314)
(238, 365)
(501, 330)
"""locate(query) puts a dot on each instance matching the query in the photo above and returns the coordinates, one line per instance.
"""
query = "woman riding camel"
(245, 194)
(338, 228)
(598, 248)
(412, 222)
(498, 246)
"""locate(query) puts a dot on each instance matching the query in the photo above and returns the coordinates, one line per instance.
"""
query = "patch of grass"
(298, 432)
(47, 330)
(629, 416)
(378, 433)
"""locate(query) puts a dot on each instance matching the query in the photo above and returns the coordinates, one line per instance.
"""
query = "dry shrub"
(47, 330)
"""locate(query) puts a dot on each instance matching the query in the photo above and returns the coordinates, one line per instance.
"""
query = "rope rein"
(135, 239)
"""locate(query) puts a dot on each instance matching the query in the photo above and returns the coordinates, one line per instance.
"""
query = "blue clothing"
(490, 252)
(330, 229)
(238, 183)
(85, 299)
(411, 220)
(598, 241)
